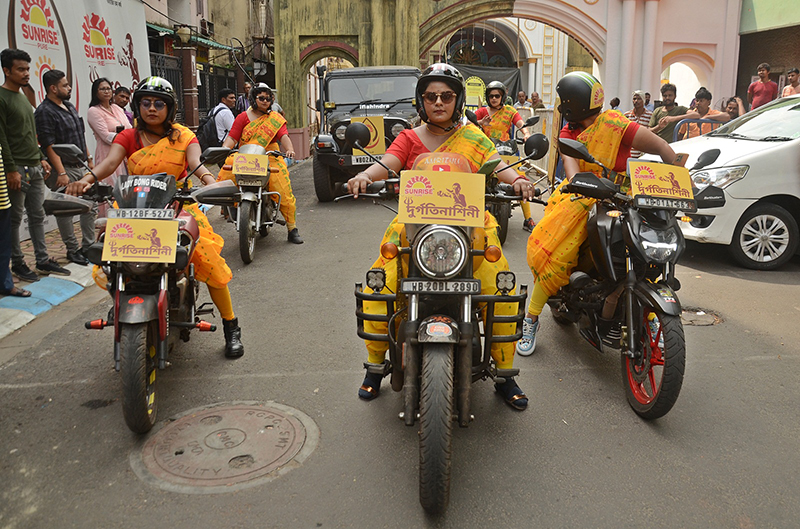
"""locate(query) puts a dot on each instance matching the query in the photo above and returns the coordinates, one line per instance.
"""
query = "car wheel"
(765, 238)
(324, 185)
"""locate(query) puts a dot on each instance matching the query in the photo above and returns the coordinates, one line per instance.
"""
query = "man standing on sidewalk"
(57, 121)
(25, 170)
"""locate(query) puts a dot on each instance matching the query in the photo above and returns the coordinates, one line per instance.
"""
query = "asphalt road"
(726, 455)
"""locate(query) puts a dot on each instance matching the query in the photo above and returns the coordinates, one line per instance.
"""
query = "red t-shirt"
(241, 122)
(762, 93)
(130, 141)
(484, 111)
(624, 152)
(407, 146)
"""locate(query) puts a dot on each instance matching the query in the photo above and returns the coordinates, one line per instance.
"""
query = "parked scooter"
(152, 283)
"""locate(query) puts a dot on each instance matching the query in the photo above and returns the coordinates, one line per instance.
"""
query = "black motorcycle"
(623, 293)
(437, 346)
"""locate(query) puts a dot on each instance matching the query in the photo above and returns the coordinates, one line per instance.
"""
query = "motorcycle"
(256, 212)
(437, 346)
(144, 248)
(623, 292)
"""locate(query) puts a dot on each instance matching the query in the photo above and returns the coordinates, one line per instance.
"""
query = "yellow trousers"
(502, 353)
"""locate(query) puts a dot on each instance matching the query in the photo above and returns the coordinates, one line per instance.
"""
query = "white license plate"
(248, 183)
(665, 203)
(358, 160)
(454, 286)
(141, 213)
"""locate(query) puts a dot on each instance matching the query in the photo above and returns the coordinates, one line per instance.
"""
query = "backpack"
(207, 131)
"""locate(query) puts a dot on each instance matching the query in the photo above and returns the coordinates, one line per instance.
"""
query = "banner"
(86, 39)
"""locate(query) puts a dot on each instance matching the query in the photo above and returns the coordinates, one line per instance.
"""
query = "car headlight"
(397, 128)
(721, 177)
(659, 245)
(441, 252)
(339, 132)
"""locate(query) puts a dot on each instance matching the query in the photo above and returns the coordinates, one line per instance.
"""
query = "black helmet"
(155, 87)
(581, 95)
(445, 74)
(257, 89)
(496, 85)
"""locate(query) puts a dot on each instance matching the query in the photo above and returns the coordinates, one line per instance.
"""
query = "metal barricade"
(704, 127)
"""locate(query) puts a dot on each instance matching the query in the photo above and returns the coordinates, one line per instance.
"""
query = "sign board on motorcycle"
(140, 240)
(251, 164)
(660, 180)
(377, 140)
(442, 197)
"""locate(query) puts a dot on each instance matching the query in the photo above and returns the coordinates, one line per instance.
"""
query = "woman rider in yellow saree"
(259, 124)
(440, 102)
(158, 145)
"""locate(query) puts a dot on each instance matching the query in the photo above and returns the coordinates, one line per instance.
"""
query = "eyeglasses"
(157, 104)
(446, 97)
(495, 96)
(264, 98)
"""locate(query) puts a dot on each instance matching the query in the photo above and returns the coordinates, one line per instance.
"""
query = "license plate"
(359, 160)
(249, 183)
(141, 213)
(454, 286)
(665, 203)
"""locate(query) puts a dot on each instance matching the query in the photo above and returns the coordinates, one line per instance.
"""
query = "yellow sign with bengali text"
(475, 91)
(660, 180)
(442, 197)
(140, 240)
(377, 140)
(250, 164)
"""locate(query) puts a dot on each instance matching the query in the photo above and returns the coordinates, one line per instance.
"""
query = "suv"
(383, 93)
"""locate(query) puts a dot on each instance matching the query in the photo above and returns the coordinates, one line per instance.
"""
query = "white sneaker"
(527, 343)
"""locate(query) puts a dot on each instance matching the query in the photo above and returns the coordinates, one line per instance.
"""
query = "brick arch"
(327, 48)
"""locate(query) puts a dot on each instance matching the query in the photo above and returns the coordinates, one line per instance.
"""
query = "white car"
(759, 170)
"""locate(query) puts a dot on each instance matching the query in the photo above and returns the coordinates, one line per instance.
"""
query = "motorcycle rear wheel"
(436, 426)
(247, 231)
(653, 383)
(137, 345)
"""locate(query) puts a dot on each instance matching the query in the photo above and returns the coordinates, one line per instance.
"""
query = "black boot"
(233, 338)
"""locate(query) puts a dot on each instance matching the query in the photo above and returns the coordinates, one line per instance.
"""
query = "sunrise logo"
(38, 25)
(122, 230)
(43, 65)
(418, 185)
(644, 173)
(97, 39)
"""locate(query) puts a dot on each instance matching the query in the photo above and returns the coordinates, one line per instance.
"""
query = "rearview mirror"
(536, 145)
(531, 121)
(357, 134)
(705, 159)
(214, 155)
(69, 153)
(575, 149)
(471, 117)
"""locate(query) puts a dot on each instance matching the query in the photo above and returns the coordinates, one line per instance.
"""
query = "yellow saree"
(501, 123)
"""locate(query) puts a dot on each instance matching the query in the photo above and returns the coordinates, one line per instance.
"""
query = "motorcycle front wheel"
(137, 347)
(247, 231)
(435, 426)
(653, 383)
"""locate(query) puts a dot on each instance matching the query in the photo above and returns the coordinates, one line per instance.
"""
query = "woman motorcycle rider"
(496, 120)
(260, 124)
(554, 243)
(158, 145)
(440, 98)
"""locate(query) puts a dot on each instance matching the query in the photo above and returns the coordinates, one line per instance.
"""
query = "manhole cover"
(226, 447)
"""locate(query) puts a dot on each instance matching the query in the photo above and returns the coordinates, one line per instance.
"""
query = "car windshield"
(369, 90)
(779, 121)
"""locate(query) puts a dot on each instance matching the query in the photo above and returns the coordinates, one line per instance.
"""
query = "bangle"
(520, 177)
(61, 174)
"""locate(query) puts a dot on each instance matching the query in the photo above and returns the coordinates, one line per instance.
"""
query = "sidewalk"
(46, 293)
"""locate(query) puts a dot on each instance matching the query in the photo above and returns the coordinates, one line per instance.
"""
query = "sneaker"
(77, 257)
(52, 267)
(528, 225)
(527, 343)
(294, 236)
(24, 273)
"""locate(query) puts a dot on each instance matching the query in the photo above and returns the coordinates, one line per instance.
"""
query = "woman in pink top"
(106, 121)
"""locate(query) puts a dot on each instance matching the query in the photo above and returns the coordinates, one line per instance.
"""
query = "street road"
(726, 456)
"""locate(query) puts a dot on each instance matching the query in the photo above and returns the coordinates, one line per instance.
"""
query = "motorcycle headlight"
(659, 246)
(441, 252)
(397, 128)
(339, 132)
(721, 177)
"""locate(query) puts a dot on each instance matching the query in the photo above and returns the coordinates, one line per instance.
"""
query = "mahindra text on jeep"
(380, 96)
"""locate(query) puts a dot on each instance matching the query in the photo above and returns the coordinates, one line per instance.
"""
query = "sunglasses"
(446, 97)
(264, 98)
(495, 96)
(157, 104)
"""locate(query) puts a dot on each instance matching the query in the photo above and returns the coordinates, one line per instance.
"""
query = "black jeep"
(385, 93)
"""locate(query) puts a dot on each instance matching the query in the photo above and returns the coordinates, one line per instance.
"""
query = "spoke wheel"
(765, 238)
(247, 231)
(138, 371)
(435, 426)
(653, 382)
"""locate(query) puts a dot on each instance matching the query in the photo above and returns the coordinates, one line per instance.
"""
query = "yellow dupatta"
(261, 131)
(501, 123)
(555, 241)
